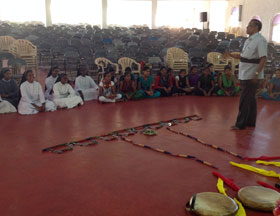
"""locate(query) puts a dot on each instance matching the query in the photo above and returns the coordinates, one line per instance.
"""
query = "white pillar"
(154, 13)
(48, 13)
(104, 13)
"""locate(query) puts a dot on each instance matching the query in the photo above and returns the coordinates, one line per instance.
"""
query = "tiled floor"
(119, 179)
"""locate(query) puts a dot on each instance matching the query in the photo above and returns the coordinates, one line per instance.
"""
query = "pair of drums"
(216, 204)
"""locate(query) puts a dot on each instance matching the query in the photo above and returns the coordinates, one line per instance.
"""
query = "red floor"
(117, 178)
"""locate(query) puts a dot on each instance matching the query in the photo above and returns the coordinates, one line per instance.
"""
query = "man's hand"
(255, 77)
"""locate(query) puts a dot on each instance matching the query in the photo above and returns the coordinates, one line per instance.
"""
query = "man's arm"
(261, 64)
(236, 55)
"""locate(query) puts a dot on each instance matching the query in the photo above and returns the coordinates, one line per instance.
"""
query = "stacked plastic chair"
(218, 60)
(177, 59)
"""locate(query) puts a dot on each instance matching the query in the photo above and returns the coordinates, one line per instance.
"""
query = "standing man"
(252, 61)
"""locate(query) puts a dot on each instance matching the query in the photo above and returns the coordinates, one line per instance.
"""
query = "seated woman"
(32, 98)
(182, 87)
(192, 80)
(163, 83)
(50, 81)
(205, 84)
(216, 75)
(228, 85)
(107, 90)
(273, 92)
(263, 86)
(127, 70)
(170, 72)
(85, 85)
(8, 88)
(6, 107)
(128, 88)
(145, 84)
(64, 94)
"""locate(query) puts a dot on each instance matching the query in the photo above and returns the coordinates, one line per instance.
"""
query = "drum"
(258, 198)
(212, 204)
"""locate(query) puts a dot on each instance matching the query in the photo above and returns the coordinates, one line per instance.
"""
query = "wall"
(217, 13)
(266, 9)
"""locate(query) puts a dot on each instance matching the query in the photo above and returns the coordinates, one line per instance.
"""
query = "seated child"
(107, 90)
(273, 92)
(192, 80)
(228, 85)
(182, 87)
(205, 83)
(145, 84)
(163, 83)
(128, 88)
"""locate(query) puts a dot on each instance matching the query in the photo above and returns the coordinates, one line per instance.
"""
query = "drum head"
(213, 204)
(258, 198)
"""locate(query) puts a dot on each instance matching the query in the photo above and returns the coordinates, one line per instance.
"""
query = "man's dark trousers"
(248, 104)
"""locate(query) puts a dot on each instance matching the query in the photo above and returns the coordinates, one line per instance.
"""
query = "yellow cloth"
(256, 170)
(268, 163)
(220, 185)
(241, 210)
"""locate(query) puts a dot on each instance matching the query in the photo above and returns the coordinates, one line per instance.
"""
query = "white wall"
(217, 13)
(266, 9)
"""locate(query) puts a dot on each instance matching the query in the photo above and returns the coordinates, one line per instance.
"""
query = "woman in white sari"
(85, 85)
(64, 94)
(6, 107)
(32, 98)
(50, 81)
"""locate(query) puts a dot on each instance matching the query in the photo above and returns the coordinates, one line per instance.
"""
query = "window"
(276, 29)
(180, 13)
(128, 13)
(76, 12)
(23, 11)
(234, 22)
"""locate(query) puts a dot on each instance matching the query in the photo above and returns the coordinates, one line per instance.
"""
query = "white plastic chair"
(103, 63)
(177, 59)
(128, 62)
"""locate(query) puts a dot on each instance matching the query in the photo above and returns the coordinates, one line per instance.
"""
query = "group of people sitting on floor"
(271, 90)
(59, 93)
